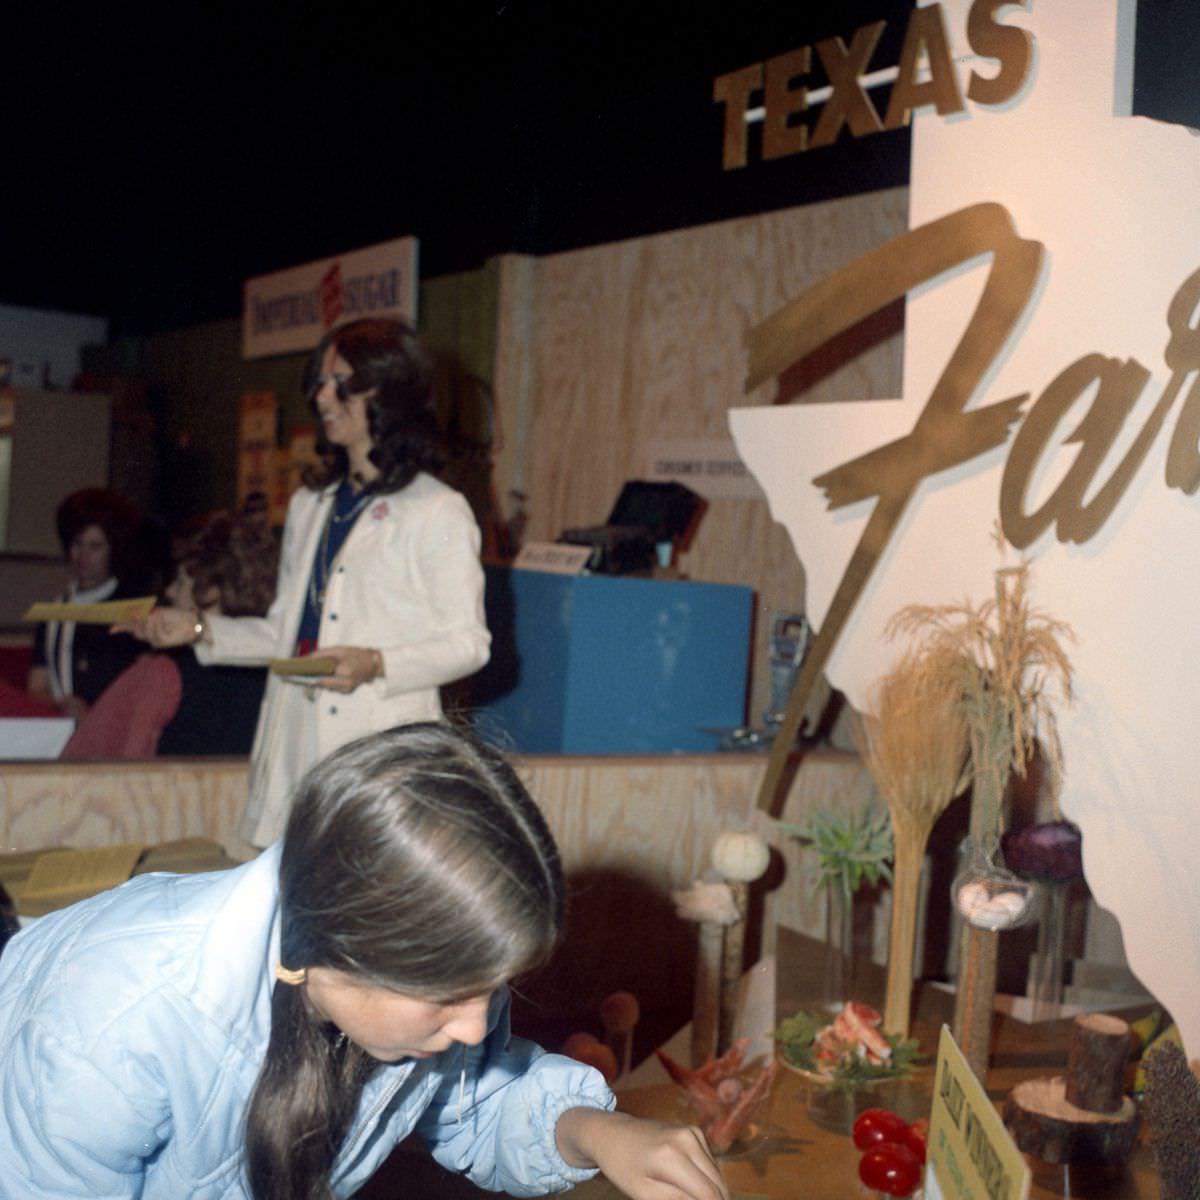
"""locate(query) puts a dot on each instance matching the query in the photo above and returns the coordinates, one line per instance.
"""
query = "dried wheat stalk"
(1007, 657)
(915, 746)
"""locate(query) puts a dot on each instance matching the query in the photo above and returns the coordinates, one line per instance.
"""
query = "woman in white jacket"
(379, 571)
(273, 1031)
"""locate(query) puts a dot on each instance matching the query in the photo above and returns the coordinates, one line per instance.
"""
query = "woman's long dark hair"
(413, 860)
(392, 368)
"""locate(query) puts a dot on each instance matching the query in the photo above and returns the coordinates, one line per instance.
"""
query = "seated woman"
(72, 664)
(167, 703)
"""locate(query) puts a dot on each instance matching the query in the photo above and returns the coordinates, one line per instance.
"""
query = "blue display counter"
(612, 664)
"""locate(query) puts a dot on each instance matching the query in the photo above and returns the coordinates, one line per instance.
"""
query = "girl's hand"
(647, 1160)
(355, 665)
(162, 627)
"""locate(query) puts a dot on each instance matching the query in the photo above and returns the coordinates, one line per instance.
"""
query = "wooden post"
(1096, 1058)
(975, 996)
(712, 907)
(731, 969)
(706, 1001)
(906, 882)
(740, 858)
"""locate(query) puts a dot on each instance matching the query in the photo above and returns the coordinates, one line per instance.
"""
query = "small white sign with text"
(555, 557)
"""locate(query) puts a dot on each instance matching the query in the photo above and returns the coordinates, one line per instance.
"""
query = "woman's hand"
(647, 1160)
(355, 665)
(163, 627)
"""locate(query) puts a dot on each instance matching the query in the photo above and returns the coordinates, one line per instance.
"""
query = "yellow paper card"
(60, 877)
(308, 664)
(970, 1152)
(107, 612)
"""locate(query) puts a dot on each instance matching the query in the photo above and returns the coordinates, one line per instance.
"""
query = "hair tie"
(287, 975)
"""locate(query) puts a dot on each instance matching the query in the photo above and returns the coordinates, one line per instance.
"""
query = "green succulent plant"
(853, 848)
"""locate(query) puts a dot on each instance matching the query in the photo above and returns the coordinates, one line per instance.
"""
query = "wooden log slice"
(1096, 1058)
(1044, 1123)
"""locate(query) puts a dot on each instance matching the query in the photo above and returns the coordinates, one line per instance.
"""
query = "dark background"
(160, 154)
(156, 155)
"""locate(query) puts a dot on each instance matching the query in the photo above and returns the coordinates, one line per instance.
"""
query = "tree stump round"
(1084, 1116)
(1044, 1123)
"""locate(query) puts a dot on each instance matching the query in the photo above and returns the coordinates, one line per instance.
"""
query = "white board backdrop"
(1114, 201)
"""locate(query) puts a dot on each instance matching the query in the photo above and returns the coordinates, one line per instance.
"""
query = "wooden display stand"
(1083, 1116)
(799, 1153)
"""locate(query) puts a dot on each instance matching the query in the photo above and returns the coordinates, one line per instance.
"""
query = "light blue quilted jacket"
(132, 1027)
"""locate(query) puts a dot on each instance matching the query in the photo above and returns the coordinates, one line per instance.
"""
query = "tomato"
(915, 1136)
(875, 1125)
(890, 1168)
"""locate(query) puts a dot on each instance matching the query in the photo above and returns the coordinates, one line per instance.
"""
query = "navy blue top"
(346, 507)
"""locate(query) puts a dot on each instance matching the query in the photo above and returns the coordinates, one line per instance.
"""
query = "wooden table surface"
(802, 1149)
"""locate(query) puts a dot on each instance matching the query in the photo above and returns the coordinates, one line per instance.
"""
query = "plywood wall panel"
(643, 340)
(630, 830)
(651, 817)
(99, 804)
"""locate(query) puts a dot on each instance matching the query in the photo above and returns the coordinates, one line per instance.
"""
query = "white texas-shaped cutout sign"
(1114, 200)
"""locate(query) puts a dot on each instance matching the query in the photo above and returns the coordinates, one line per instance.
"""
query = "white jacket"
(408, 582)
(133, 1026)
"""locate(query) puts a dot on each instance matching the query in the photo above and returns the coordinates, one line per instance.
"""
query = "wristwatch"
(200, 629)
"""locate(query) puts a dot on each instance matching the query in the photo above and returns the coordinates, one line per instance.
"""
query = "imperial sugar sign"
(1051, 389)
(291, 310)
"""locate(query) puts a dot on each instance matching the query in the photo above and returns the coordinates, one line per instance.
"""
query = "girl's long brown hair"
(413, 860)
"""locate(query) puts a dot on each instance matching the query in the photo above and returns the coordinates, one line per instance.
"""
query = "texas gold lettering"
(848, 104)
(943, 435)
(733, 91)
(926, 43)
(1011, 47)
(926, 31)
(781, 100)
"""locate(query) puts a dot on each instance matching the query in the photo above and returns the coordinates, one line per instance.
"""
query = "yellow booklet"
(61, 877)
(107, 612)
(307, 664)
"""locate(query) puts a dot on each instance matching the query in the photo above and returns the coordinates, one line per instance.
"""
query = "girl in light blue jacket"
(271, 1032)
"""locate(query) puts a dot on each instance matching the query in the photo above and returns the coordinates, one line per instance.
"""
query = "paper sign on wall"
(711, 467)
(970, 1153)
(291, 310)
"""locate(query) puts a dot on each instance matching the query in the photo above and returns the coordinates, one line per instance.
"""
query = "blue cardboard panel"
(613, 664)
(518, 697)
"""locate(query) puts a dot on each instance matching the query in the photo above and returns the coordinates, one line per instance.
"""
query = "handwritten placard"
(555, 557)
(971, 1154)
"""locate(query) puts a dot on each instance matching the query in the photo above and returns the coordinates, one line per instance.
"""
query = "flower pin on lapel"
(380, 510)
